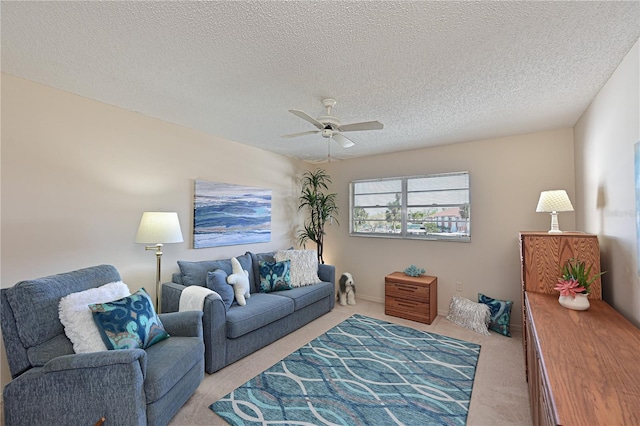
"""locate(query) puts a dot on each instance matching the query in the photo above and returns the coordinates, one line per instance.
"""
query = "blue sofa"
(53, 385)
(233, 334)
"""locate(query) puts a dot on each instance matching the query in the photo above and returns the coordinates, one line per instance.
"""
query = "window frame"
(404, 209)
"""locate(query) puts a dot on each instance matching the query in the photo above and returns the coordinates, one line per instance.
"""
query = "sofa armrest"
(80, 389)
(185, 324)
(327, 273)
(171, 297)
(215, 333)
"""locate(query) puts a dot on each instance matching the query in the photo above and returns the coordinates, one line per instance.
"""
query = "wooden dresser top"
(590, 360)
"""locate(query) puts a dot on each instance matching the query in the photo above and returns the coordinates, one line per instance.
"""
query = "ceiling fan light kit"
(329, 126)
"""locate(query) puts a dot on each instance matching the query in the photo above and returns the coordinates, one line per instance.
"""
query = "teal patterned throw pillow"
(500, 314)
(129, 323)
(275, 276)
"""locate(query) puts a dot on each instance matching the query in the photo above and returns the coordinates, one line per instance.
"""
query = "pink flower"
(569, 287)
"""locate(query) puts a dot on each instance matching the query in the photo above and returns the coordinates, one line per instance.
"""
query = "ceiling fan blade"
(307, 117)
(342, 141)
(295, 135)
(365, 125)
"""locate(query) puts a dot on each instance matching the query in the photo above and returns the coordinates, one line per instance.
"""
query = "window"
(432, 207)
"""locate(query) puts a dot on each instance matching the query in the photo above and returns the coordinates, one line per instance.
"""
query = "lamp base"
(555, 229)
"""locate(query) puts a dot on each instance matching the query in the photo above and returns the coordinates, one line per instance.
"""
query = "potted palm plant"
(321, 207)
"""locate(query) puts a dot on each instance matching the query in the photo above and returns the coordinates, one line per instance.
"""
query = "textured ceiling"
(432, 72)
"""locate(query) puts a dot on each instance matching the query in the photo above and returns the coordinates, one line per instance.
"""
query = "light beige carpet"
(499, 391)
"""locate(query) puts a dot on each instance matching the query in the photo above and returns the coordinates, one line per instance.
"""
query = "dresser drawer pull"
(406, 305)
(406, 287)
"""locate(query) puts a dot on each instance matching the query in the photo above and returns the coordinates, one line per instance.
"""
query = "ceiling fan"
(330, 127)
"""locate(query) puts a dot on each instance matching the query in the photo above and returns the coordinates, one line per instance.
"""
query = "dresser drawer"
(413, 292)
(408, 309)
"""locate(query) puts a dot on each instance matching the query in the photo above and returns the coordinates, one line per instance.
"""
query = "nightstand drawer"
(407, 291)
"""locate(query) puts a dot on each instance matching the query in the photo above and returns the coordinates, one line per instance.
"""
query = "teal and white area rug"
(364, 371)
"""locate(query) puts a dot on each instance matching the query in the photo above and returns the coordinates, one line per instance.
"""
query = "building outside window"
(431, 207)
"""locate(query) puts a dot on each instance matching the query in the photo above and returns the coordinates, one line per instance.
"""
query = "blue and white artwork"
(227, 215)
(636, 160)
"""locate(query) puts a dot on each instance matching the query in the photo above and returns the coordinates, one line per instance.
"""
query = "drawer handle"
(406, 287)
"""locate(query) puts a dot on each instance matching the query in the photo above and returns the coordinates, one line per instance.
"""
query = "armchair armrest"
(185, 324)
(80, 389)
(97, 359)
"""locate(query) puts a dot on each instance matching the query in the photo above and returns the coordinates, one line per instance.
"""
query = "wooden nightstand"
(413, 298)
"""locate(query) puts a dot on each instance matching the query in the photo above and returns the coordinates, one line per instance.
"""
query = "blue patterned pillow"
(500, 314)
(128, 323)
(217, 281)
(275, 276)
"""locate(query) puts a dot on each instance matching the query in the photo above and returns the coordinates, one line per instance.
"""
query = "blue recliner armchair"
(53, 385)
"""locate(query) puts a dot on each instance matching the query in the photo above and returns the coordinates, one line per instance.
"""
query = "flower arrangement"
(414, 271)
(576, 278)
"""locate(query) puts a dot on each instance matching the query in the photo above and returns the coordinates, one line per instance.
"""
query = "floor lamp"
(159, 228)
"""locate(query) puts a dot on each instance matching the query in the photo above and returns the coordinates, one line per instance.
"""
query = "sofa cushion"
(256, 258)
(195, 273)
(275, 276)
(217, 281)
(35, 302)
(304, 266)
(261, 309)
(129, 323)
(305, 296)
(181, 353)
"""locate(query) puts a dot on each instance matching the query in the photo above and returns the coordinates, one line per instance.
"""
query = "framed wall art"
(226, 214)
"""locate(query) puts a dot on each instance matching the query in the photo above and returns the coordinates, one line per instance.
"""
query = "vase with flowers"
(575, 285)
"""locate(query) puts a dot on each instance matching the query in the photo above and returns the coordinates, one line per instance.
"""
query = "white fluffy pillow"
(304, 266)
(469, 314)
(77, 319)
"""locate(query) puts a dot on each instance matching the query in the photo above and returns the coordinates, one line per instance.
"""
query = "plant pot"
(577, 303)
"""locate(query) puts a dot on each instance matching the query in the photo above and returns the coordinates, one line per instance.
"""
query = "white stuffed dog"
(240, 282)
(347, 290)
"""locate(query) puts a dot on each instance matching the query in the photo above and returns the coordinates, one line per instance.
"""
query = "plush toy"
(240, 282)
(347, 290)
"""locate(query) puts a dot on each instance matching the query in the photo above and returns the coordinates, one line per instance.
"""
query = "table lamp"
(159, 228)
(554, 202)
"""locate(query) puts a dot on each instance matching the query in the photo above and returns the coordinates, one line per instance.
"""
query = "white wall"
(506, 178)
(606, 200)
(77, 175)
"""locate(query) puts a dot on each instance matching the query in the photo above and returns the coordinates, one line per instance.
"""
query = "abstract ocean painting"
(226, 215)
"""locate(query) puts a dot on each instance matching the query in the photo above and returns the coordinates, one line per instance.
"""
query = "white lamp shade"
(554, 201)
(159, 228)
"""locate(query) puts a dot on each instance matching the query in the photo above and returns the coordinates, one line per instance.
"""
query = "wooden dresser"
(584, 366)
(413, 298)
(542, 256)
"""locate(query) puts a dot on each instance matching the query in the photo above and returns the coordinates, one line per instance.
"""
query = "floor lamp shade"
(553, 202)
(159, 228)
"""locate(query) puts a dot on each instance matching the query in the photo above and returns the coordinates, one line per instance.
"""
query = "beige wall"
(77, 175)
(606, 200)
(506, 177)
